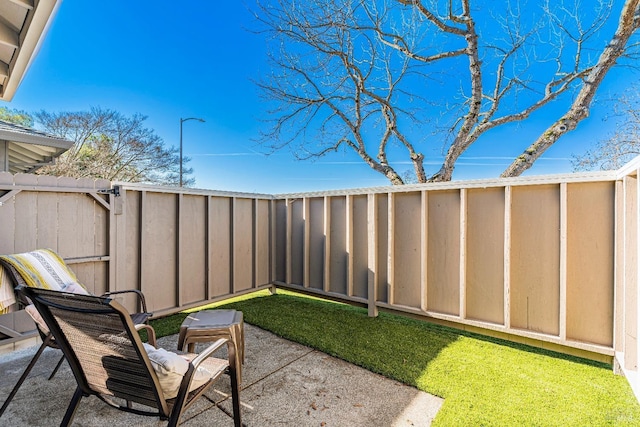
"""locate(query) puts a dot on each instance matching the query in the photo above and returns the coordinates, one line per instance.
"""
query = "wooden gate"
(70, 216)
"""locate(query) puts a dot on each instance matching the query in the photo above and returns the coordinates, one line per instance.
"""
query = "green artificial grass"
(484, 381)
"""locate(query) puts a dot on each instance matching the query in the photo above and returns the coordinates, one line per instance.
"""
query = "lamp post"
(182, 121)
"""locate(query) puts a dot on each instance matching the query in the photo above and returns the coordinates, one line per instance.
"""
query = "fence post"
(372, 255)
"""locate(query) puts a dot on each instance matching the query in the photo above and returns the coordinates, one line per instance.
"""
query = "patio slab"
(284, 383)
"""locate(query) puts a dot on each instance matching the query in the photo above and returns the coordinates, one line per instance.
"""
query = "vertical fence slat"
(463, 253)
(262, 251)
(7, 218)
(47, 214)
(234, 231)
(326, 285)
(391, 247)
(26, 218)
(273, 224)
(140, 243)
(424, 250)
(507, 257)
(632, 227)
(349, 206)
(208, 292)
(143, 243)
(618, 333)
(562, 312)
(590, 271)
(535, 242)
(179, 248)
(306, 258)
(444, 252)
(634, 293)
(289, 239)
(372, 255)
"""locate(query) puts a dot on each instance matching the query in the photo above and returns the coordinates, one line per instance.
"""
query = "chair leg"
(235, 397)
(234, 367)
(71, 409)
(44, 345)
(56, 368)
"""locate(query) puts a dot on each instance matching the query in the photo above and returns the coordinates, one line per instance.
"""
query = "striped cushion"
(42, 268)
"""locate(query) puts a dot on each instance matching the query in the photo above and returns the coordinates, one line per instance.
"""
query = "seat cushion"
(170, 369)
(74, 288)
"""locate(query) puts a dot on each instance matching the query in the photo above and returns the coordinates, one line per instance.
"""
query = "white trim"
(38, 21)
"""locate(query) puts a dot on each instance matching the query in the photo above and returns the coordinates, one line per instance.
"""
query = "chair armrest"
(207, 352)
(140, 295)
(181, 398)
(151, 333)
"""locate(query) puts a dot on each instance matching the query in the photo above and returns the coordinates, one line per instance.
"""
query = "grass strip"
(484, 381)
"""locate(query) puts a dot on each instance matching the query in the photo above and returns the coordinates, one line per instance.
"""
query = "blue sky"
(167, 61)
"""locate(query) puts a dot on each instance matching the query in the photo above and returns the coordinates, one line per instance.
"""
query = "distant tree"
(372, 75)
(111, 146)
(15, 116)
(623, 145)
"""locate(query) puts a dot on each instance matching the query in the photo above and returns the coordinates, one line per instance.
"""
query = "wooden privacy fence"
(181, 248)
(550, 261)
(185, 248)
(523, 257)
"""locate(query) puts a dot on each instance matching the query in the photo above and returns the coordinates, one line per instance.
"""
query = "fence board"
(316, 238)
(47, 214)
(130, 244)
(443, 270)
(590, 261)
(631, 273)
(220, 234)
(159, 250)
(407, 244)
(535, 258)
(338, 254)
(7, 216)
(243, 256)
(262, 242)
(280, 237)
(71, 222)
(193, 237)
(382, 247)
(26, 221)
(296, 255)
(485, 255)
(359, 253)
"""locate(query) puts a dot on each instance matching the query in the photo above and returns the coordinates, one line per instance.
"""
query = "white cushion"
(31, 311)
(170, 369)
(73, 288)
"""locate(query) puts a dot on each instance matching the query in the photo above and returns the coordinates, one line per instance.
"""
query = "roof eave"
(35, 139)
(38, 21)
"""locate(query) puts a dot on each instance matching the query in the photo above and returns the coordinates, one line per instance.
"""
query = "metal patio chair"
(108, 359)
(23, 273)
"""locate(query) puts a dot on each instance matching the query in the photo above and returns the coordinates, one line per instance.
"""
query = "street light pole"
(182, 121)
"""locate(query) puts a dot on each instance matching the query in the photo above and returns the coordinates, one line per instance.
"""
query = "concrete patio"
(284, 383)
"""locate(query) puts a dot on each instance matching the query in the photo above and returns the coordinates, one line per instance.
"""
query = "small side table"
(209, 325)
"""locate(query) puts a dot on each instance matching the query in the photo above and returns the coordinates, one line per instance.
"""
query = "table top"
(210, 319)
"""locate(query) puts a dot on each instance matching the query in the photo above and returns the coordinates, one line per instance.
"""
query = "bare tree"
(111, 146)
(624, 143)
(372, 75)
